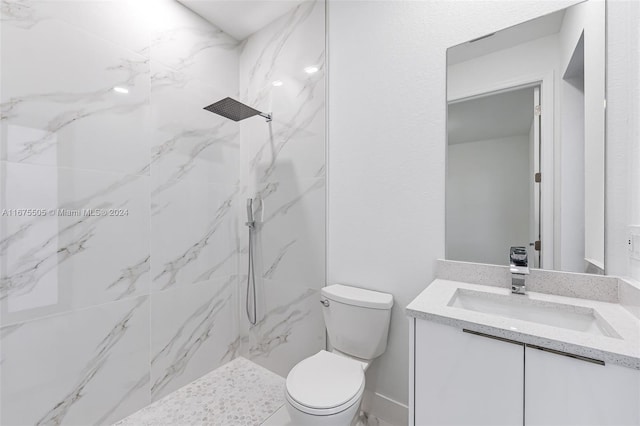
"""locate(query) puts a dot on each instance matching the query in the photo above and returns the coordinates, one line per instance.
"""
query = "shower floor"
(238, 393)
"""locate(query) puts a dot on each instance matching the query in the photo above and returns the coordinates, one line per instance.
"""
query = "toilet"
(327, 388)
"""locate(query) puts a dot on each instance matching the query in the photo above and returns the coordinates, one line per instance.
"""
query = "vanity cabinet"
(564, 391)
(463, 378)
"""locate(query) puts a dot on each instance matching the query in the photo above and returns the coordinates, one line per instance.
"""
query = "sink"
(522, 307)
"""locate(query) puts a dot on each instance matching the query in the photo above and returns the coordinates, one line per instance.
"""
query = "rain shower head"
(234, 110)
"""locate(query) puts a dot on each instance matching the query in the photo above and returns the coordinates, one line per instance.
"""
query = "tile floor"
(281, 418)
(240, 393)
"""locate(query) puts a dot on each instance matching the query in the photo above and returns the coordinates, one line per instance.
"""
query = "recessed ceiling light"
(277, 83)
(311, 70)
(120, 89)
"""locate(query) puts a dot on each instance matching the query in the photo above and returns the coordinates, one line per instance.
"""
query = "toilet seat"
(325, 384)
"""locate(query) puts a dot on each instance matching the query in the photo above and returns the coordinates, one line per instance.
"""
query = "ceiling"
(509, 37)
(241, 18)
(491, 117)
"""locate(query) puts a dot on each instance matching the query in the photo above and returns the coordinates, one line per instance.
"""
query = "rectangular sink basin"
(521, 307)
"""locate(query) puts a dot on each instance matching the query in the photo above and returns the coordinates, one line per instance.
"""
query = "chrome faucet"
(519, 267)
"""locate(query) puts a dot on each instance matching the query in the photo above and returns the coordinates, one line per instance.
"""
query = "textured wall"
(623, 134)
(283, 164)
(102, 315)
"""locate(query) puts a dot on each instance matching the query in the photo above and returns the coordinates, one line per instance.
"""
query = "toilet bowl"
(326, 389)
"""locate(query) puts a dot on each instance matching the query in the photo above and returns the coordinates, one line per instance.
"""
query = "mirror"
(526, 142)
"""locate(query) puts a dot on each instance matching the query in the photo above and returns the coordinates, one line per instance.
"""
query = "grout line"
(274, 413)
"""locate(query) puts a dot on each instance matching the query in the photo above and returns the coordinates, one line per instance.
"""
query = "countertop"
(433, 305)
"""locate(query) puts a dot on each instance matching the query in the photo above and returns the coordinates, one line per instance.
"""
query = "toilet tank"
(357, 320)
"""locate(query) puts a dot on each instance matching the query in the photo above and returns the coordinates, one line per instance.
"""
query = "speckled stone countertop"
(434, 304)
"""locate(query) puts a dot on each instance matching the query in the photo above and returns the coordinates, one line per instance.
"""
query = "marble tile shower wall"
(283, 163)
(100, 315)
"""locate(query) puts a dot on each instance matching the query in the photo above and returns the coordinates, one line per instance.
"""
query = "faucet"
(519, 267)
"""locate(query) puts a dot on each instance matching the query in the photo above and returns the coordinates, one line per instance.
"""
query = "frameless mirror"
(526, 142)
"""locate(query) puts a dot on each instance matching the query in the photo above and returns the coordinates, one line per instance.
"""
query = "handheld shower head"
(250, 209)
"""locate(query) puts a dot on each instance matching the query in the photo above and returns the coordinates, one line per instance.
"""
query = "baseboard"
(385, 408)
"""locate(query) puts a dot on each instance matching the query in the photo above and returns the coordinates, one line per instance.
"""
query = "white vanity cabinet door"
(465, 379)
(565, 391)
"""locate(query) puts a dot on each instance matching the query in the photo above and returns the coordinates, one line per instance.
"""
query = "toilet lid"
(325, 380)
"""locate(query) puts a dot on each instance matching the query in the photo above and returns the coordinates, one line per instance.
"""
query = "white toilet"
(327, 388)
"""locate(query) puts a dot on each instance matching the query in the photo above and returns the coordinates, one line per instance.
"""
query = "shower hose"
(251, 282)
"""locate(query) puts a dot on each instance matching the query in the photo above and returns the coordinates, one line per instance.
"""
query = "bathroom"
(130, 290)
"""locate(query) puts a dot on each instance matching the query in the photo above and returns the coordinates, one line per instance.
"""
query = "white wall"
(623, 134)
(587, 17)
(487, 199)
(634, 110)
(387, 143)
(572, 148)
(572, 181)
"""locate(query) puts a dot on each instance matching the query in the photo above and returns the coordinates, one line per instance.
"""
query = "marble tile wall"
(101, 315)
(283, 165)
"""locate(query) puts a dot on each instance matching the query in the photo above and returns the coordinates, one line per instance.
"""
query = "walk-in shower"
(237, 111)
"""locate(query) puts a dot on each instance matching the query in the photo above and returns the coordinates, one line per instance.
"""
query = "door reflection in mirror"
(493, 156)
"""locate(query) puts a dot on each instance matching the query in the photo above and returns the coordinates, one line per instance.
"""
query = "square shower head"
(232, 109)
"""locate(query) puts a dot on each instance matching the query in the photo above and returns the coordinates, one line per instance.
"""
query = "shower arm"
(268, 117)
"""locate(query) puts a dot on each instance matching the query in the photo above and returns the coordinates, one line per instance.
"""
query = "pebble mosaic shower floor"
(240, 393)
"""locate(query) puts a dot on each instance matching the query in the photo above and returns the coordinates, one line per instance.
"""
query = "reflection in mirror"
(525, 143)
(492, 146)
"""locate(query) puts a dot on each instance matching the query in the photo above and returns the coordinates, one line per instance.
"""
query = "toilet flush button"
(325, 303)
